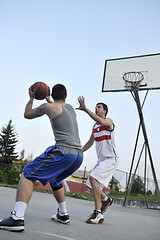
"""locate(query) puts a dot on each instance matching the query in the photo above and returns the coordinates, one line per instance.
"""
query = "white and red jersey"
(105, 143)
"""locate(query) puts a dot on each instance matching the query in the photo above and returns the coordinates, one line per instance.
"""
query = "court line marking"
(55, 235)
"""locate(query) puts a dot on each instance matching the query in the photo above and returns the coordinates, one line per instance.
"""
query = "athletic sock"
(62, 207)
(19, 210)
(98, 210)
(105, 199)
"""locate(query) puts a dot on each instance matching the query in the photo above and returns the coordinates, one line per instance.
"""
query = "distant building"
(80, 176)
(76, 183)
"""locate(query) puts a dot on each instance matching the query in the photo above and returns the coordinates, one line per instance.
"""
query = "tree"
(24, 161)
(138, 186)
(17, 167)
(8, 141)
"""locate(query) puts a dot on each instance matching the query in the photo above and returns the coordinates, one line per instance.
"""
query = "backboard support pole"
(147, 147)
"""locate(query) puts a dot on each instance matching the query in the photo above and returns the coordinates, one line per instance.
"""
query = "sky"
(67, 42)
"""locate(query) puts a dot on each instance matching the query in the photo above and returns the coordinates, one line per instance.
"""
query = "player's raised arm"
(98, 117)
(30, 113)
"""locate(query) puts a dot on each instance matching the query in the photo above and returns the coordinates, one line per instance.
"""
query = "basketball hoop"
(133, 79)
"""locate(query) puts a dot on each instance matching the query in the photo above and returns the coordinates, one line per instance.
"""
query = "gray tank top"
(65, 128)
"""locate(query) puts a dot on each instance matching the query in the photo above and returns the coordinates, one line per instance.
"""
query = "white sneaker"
(96, 217)
(62, 218)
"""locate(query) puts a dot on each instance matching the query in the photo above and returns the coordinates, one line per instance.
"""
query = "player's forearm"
(95, 117)
(88, 144)
(28, 109)
(86, 147)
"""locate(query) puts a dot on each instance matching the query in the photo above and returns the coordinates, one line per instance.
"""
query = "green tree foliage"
(11, 165)
(16, 170)
(24, 161)
(8, 141)
(17, 167)
(3, 177)
(138, 186)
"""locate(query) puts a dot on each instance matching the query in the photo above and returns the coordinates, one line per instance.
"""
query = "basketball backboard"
(148, 65)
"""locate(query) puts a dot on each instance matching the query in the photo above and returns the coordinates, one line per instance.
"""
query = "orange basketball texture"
(42, 90)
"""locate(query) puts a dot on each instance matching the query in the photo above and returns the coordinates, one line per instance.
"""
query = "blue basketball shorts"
(53, 166)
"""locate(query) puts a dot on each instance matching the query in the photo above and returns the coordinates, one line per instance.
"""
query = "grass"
(113, 195)
(80, 196)
(133, 196)
(84, 196)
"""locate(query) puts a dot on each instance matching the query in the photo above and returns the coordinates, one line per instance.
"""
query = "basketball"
(42, 90)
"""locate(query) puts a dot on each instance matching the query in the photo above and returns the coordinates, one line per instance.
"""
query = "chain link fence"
(122, 181)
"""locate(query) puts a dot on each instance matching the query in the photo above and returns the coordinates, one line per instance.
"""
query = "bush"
(138, 186)
(3, 178)
(13, 176)
(149, 192)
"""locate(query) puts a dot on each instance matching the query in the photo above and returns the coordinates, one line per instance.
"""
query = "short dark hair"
(104, 107)
(59, 92)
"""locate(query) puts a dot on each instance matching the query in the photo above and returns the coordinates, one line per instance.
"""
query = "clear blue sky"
(67, 42)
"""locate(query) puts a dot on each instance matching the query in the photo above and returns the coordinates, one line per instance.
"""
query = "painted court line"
(51, 234)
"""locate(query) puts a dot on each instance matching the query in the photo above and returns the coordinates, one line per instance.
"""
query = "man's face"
(99, 110)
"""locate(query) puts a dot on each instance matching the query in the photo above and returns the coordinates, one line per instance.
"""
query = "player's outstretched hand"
(82, 105)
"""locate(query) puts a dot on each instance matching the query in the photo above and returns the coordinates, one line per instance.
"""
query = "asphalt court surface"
(120, 223)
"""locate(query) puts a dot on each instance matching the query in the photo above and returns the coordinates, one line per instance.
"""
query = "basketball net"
(133, 80)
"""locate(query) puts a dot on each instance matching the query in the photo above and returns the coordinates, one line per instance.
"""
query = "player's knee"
(56, 188)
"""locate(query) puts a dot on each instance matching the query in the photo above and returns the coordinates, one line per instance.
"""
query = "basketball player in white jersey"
(103, 136)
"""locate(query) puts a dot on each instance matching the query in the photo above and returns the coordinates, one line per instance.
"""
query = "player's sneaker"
(96, 217)
(12, 224)
(105, 204)
(62, 218)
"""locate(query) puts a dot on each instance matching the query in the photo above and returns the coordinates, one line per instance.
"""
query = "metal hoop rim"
(133, 82)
